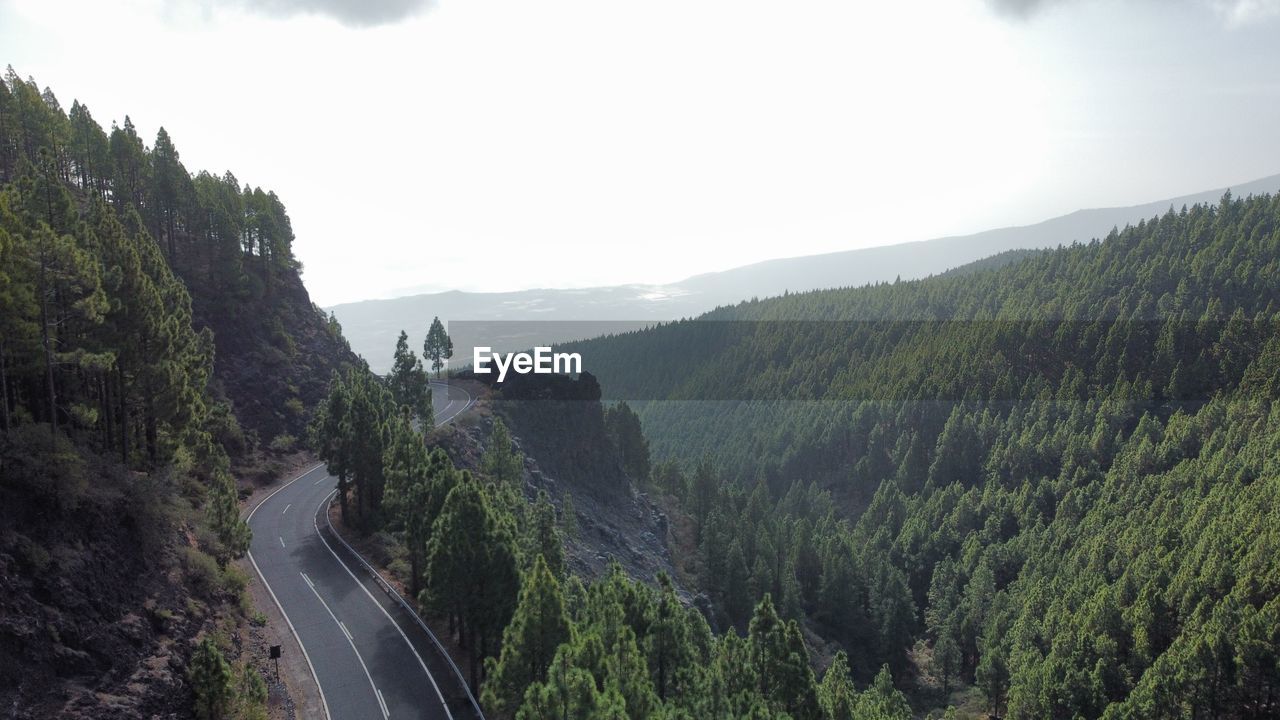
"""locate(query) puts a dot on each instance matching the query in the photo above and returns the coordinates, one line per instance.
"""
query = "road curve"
(370, 659)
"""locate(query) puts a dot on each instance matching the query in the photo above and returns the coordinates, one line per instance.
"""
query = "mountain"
(372, 325)
(1050, 481)
(156, 346)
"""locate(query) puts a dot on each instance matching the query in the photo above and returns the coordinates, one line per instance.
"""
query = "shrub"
(210, 678)
(202, 572)
(283, 443)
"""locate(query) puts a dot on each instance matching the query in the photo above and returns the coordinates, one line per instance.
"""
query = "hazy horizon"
(580, 144)
(409, 291)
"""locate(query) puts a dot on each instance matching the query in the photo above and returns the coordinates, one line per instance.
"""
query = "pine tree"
(992, 677)
(544, 538)
(233, 533)
(417, 531)
(471, 564)
(129, 160)
(568, 693)
(945, 661)
(781, 663)
(568, 517)
(882, 701)
(837, 694)
(170, 183)
(668, 644)
(737, 586)
(438, 346)
(329, 437)
(405, 464)
(501, 463)
(409, 383)
(369, 407)
(623, 426)
(211, 679)
(529, 643)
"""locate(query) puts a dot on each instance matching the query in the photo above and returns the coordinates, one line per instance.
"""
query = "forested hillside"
(488, 563)
(153, 329)
(1053, 480)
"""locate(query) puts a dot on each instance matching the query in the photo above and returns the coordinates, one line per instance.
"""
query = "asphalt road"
(370, 658)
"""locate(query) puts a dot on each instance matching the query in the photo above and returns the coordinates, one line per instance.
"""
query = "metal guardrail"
(391, 592)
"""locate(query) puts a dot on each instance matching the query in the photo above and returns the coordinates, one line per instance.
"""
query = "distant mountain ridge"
(372, 325)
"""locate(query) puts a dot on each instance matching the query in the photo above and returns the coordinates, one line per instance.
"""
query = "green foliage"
(568, 518)
(544, 536)
(501, 463)
(837, 695)
(1056, 473)
(438, 346)
(223, 516)
(283, 443)
(634, 651)
(351, 430)
(471, 566)
(116, 264)
(211, 680)
(623, 426)
(538, 627)
(409, 383)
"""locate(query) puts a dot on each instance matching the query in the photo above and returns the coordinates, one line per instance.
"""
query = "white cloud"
(503, 144)
(1236, 13)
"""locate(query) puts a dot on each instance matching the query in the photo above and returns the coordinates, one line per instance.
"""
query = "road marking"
(323, 507)
(351, 642)
(286, 508)
(324, 701)
(385, 713)
(324, 704)
(345, 631)
(281, 542)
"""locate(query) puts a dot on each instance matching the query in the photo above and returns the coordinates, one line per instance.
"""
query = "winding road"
(370, 657)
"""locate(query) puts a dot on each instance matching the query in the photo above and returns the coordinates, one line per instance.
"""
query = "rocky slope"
(618, 523)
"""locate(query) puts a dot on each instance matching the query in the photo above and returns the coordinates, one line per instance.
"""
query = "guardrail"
(391, 592)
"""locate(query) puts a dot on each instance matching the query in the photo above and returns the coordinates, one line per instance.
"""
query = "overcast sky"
(507, 144)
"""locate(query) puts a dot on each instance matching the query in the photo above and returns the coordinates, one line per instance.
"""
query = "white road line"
(349, 640)
(324, 704)
(286, 508)
(345, 631)
(323, 701)
(372, 599)
(281, 542)
(385, 713)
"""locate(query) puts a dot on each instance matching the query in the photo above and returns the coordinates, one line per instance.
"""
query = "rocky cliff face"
(100, 598)
(274, 355)
(618, 523)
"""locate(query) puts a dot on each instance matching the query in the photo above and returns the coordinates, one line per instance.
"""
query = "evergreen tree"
(529, 642)
(409, 383)
(224, 517)
(471, 565)
(623, 426)
(882, 701)
(569, 692)
(405, 464)
(329, 437)
(501, 463)
(837, 694)
(211, 679)
(438, 346)
(945, 661)
(545, 540)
